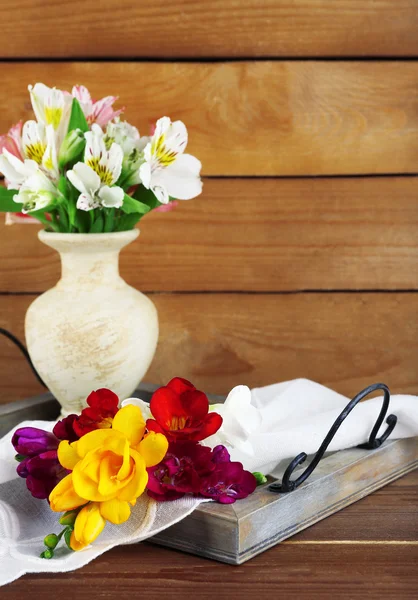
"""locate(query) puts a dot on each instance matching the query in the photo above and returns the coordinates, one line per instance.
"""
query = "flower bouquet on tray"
(94, 466)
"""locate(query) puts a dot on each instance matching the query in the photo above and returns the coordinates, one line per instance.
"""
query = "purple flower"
(30, 441)
(64, 429)
(180, 471)
(42, 473)
(220, 455)
(40, 466)
(228, 483)
(189, 468)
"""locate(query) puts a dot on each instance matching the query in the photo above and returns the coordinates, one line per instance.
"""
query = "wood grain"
(153, 28)
(345, 341)
(256, 235)
(310, 568)
(256, 118)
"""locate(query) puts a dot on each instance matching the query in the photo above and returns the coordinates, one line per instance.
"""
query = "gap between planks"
(352, 542)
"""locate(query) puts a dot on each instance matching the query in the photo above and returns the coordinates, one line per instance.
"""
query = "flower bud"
(72, 146)
(260, 478)
(51, 540)
(47, 553)
(68, 518)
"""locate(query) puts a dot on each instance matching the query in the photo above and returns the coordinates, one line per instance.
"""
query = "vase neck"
(89, 261)
(89, 269)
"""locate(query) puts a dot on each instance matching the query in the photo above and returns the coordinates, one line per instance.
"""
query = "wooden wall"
(300, 259)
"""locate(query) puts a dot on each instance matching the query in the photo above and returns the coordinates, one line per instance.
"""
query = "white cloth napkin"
(262, 428)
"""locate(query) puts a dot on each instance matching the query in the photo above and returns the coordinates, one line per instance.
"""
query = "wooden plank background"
(213, 28)
(262, 118)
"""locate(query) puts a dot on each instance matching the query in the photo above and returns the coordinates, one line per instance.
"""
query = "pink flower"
(100, 111)
(12, 141)
(167, 207)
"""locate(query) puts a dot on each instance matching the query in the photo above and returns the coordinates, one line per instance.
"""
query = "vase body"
(92, 329)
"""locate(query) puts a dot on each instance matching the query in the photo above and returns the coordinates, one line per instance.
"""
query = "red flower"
(181, 412)
(103, 406)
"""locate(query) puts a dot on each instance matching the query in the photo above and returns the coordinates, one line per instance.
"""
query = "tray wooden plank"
(238, 532)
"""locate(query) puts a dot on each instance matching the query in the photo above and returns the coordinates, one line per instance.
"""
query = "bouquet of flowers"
(94, 466)
(78, 168)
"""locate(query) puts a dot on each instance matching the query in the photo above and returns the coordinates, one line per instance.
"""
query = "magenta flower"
(189, 468)
(37, 451)
(30, 441)
(64, 429)
(42, 473)
(100, 111)
(228, 483)
(180, 471)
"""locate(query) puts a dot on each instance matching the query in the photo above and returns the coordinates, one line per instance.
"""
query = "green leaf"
(146, 197)
(97, 226)
(82, 221)
(63, 219)
(77, 118)
(131, 205)
(67, 538)
(7, 203)
(127, 222)
(109, 220)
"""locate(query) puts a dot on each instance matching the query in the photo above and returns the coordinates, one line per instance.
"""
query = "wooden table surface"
(368, 550)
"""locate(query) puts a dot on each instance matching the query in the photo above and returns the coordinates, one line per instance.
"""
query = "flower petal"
(153, 448)
(64, 497)
(129, 421)
(67, 455)
(111, 197)
(84, 178)
(139, 481)
(116, 511)
(165, 403)
(89, 524)
(182, 178)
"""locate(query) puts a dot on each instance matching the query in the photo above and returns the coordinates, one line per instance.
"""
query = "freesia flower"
(51, 107)
(109, 467)
(36, 193)
(99, 171)
(88, 525)
(101, 111)
(64, 429)
(166, 170)
(189, 468)
(102, 408)
(16, 171)
(40, 466)
(181, 412)
(12, 141)
(228, 482)
(180, 471)
(31, 441)
(240, 420)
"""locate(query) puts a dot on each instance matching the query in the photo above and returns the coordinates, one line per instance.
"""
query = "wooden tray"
(235, 533)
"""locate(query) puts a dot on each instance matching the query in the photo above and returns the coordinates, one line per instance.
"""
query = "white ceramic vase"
(92, 329)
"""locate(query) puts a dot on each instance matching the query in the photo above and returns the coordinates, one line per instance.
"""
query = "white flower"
(144, 406)
(51, 107)
(39, 145)
(240, 420)
(36, 193)
(16, 171)
(166, 170)
(126, 135)
(99, 171)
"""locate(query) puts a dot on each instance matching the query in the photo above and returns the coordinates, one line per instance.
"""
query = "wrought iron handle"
(287, 485)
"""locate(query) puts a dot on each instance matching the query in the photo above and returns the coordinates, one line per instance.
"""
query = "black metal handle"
(286, 485)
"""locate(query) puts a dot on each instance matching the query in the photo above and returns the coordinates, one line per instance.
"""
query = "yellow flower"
(88, 525)
(108, 473)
